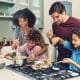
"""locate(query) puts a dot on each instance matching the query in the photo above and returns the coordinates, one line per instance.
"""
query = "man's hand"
(49, 34)
(55, 40)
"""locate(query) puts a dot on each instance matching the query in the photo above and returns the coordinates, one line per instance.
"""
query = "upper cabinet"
(20, 4)
(6, 8)
(37, 7)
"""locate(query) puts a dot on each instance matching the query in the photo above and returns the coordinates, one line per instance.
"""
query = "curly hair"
(26, 14)
(34, 35)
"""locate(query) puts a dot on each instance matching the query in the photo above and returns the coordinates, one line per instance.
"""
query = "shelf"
(9, 3)
(25, 4)
(6, 17)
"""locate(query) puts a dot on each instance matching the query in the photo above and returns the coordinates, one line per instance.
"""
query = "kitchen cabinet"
(6, 8)
(6, 29)
(38, 11)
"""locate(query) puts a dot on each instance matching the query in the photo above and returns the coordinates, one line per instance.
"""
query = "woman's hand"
(15, 43)
(68, 60)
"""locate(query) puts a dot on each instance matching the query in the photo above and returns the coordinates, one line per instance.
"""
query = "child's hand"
(68, 60)
(32, 57)
(55, 40)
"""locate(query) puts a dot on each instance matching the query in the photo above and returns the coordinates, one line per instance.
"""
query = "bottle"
(19, 60)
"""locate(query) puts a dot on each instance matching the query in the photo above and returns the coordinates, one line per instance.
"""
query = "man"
(63, 25)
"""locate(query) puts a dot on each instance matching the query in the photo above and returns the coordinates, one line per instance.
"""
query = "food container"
(38, 65)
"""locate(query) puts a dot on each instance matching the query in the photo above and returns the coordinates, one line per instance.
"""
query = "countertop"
(6, 74)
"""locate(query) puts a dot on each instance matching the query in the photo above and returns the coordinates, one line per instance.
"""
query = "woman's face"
(23, 22)
(30, 44)
(75, 41)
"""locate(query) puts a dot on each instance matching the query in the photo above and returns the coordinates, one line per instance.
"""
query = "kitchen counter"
(6, 74)
(76, 78)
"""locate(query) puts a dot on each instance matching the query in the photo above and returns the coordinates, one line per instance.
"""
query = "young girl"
(32, 46)
(74, 61)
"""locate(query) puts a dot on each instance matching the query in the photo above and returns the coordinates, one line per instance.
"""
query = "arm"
(77, 65)
(54, 39)
(33, 54)
(43, 48)
(57, 40)
(70, 61)
(50, 35)
(22, 48)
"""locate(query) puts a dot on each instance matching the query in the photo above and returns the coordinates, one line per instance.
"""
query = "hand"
(68, 60)
(32, 57)
(55, 40)
(49, 34)
(15, 43)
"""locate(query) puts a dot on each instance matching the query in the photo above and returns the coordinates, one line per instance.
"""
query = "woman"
(24, 21)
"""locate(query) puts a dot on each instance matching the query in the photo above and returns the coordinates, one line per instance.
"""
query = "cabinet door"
(6, 29)
(6, 7)
(68, 6)
(21, 4)
(37, 7)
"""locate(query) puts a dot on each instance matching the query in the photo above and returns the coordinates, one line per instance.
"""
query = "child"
(33, 46)
(74, 47)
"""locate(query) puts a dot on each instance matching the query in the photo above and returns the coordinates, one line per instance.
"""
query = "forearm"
(41, 51)
(43, 47)
(75, 64)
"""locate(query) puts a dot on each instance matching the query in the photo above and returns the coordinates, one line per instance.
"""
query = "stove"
(45, 74)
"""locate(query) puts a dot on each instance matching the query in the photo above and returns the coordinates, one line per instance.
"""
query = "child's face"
(75, 41)
(31, 44)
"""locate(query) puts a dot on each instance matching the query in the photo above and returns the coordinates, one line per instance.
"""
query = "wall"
(75, 8)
